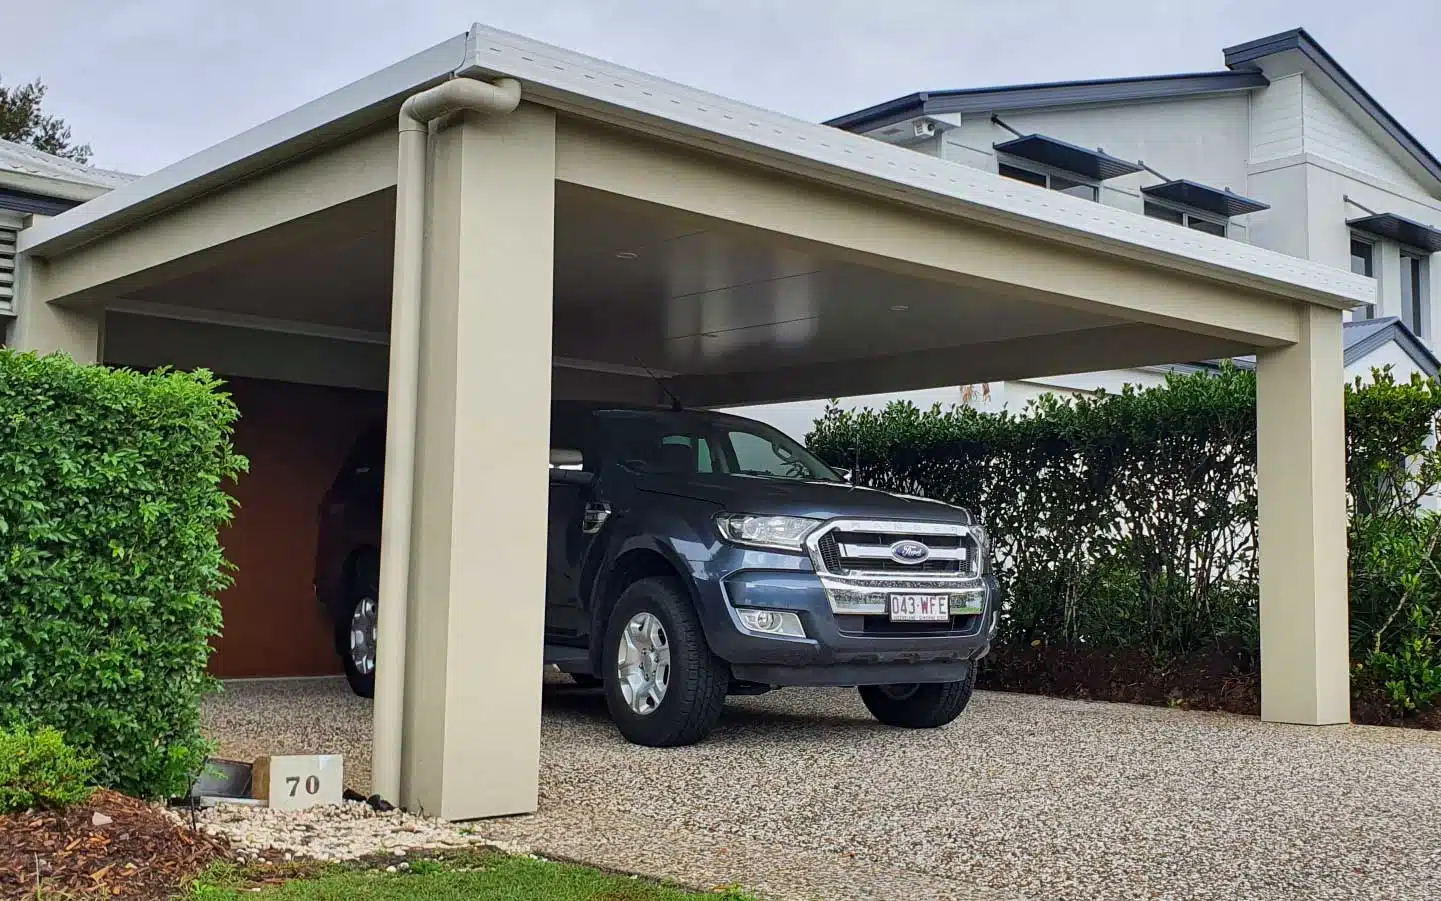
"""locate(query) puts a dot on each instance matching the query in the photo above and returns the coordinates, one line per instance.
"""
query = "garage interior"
(587, 246)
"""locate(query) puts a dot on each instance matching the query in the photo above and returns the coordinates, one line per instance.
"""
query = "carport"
(612, 223)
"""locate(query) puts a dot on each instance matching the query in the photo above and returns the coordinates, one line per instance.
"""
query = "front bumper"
(843, 648)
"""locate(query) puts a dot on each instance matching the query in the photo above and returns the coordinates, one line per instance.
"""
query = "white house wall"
(1331, 134)
(1276, 120)
(1389, 354)
(1204, 139)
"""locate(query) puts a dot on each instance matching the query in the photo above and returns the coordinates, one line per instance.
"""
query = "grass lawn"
(484, 876)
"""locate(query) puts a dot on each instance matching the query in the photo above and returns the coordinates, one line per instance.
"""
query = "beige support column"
(1305, 671)
(45, 327)
(477, 582)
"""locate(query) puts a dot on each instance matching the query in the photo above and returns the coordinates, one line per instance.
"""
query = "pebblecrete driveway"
(800, 795)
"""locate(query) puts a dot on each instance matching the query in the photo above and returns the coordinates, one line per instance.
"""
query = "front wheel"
(355, 630)
(663, 685)
(919, 706)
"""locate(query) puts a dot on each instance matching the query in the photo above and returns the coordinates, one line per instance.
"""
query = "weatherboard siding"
(1333, 135)
(1276, 120)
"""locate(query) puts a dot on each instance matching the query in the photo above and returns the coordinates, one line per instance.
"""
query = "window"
(1363, 262)
(684, 453)
(1062, 183)
(1414, 311)
(759, 455)
(1363, 258)
(690, 443)
(1201, 222)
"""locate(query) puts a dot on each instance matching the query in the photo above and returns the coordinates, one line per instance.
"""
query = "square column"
(471, 744)
(1301, 485)
(45, 327)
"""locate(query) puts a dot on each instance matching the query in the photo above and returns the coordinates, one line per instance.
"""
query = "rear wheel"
(919, 706)
(355, 630)
(663, 685)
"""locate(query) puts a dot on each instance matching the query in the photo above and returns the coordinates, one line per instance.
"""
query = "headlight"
(781, 532)
(978, 532)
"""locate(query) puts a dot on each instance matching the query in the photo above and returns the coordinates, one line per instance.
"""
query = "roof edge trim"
(1243, 57)
(1059, 93)
(340, 112)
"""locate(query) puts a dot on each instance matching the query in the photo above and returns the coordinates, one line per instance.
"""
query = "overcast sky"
(148, 82)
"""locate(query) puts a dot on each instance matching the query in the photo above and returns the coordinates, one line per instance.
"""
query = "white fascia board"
(351, 108)
(634, 100)
(606, 92)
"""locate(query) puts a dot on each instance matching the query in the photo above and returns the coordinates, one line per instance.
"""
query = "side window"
(685, 453)
(755, 454)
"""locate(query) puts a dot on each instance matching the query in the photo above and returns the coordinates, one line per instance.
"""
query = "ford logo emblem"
(908, 551)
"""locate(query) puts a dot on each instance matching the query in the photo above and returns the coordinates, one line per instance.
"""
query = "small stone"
(399, 852)
(390, 869)
(100, 819)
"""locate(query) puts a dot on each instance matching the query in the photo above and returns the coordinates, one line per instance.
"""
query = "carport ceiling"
(635, 284)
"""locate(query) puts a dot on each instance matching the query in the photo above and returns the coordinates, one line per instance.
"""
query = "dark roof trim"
(1059, 93)
(1242, 57)
(26, 202)
(1070, 157)
(1363, 336)
(1204, 197)
(1399, 229)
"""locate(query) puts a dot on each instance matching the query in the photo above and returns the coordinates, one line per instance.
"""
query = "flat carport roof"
(616, 222)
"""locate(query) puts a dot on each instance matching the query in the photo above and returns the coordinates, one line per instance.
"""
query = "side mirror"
(842, 472)
(570, 476)
(565, 467)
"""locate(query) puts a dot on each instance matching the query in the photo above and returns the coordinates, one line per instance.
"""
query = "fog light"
(772, 622)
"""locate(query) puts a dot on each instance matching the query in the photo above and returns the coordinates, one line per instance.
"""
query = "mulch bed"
(1215, 681)
(142, 854)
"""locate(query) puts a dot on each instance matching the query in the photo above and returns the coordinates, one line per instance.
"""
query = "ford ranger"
(696, 554)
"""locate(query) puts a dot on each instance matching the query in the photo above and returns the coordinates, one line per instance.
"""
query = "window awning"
(1070, 157)
(1204, 197)
(1399, 229)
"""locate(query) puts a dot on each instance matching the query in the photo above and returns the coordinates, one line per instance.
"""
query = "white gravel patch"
(331, 832)
(799, 794)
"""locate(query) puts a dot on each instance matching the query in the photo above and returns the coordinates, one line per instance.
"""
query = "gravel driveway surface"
(799, 794)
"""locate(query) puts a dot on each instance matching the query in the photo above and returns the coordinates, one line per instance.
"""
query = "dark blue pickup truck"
(696, 554)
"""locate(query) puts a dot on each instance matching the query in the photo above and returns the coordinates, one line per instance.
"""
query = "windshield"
(690, 443)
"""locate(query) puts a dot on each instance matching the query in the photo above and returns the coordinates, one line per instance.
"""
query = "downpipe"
(416, 113)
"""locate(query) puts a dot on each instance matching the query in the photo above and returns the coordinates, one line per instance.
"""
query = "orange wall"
(296, 437)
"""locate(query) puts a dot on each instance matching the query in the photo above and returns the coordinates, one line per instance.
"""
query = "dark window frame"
(1189, 216)
(1042, 177)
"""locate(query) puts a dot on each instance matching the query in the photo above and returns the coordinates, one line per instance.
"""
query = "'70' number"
(312, 784)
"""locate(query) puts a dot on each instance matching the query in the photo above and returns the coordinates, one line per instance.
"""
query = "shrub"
(38, 769)
(1128, 521)
(110, 501)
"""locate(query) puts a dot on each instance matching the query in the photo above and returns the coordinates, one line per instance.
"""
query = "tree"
(22, 120)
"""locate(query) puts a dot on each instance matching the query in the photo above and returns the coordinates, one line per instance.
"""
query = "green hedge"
(110, 503)
(1128, 521)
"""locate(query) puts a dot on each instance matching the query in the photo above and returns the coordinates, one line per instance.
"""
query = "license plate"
(920, 607)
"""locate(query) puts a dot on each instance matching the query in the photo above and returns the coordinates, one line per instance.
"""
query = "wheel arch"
(631, 566)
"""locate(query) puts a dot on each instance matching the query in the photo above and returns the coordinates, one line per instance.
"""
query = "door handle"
(595, 516)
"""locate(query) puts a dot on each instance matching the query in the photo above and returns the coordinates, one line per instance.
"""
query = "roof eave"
(60, 188)
(1247, 56)
(351, 108)
(1055, 94)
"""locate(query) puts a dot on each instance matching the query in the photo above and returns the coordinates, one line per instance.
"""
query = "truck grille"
(846, 552)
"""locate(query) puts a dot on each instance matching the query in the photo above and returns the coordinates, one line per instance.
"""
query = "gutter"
(416, 113)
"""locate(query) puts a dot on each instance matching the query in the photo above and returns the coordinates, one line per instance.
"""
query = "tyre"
(663, 685)
(355, 629)
(919, 706)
